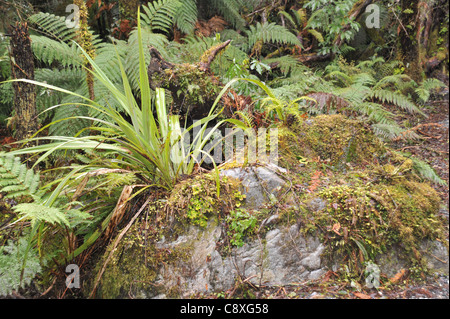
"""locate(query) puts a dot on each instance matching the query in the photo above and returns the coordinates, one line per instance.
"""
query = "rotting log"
(193, 87)
(22, 67)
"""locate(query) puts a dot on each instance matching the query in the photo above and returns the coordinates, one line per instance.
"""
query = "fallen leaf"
(361, 295)
(336, 228)
(398, 276)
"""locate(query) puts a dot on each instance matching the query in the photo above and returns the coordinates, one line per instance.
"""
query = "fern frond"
(399, 100)
(270, 33)
(425, 170)
(41, 213)
(387, 131)
(16, 179)
(229, 9)
(424, 90)
(11, 260)
(396, 80)
(53, 26)
(48, 50)
(287, 64)
(186, 16)
(160, 14)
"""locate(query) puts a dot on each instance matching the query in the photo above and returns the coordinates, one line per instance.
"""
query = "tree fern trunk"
(22, 67)
(85, 40)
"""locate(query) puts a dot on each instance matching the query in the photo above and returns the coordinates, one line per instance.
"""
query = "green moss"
(193, 200)
(190, 87)
(363, 220)
(334, 138)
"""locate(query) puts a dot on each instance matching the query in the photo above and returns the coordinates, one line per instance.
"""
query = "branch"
(209, 55)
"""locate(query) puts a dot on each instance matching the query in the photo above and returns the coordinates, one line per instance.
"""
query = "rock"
(261, 184)
(436, 255)
(281, 257)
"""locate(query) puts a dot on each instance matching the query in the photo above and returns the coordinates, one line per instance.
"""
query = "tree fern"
(16, 179)
(48, 51)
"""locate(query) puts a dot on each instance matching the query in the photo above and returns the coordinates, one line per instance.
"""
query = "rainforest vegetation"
(94, 94)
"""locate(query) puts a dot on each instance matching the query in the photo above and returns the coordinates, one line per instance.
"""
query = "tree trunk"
(84, 39)
(22, 67)
(407, 44)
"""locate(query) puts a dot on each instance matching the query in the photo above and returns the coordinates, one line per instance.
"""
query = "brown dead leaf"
(361, 295)
(336, 228)
(398, 276)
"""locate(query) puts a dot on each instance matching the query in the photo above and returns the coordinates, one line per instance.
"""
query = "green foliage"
(160, 15)
(52, 26)
(330, 17)
(39, 213)
(12, 277)
(186, 16)
(16, 179)
(230, 10)
(424, 170)
(143, 139)
(241, 223)
(270, 33)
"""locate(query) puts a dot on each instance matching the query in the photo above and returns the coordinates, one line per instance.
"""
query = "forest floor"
(433, 147)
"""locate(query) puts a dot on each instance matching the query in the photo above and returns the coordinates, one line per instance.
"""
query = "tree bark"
(22, 67)
(408, 44)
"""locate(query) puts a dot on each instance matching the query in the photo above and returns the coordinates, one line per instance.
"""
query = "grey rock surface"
(261, 184)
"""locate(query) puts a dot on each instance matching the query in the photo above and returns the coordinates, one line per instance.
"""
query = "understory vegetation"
(126, 109)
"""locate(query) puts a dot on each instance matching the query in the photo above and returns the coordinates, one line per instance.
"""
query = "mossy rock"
(334, 138)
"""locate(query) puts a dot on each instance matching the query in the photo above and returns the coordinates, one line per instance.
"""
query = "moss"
(191, 88)
(137, 259)
(334, 138)
(362, 221)
(194, 199)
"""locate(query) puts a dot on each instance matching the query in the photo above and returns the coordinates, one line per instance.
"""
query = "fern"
(425, 170)
(11, 258)
(385, 95)
(229, 9)
(186, 16)
(16, 179)
(424, 90)
(48, 51)
(53, 26)
(160, 14)
(270, 33)
(38, 213)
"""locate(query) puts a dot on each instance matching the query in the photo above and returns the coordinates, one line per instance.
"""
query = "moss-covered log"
(193, 87)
